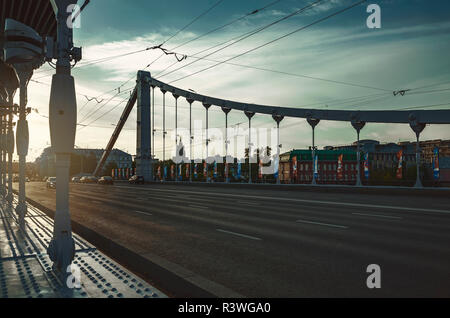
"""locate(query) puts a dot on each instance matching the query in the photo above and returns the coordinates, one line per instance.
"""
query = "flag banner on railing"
(112, 173)
(120, 173)
(366, 165)
(316, 166)
(205, 169)
(226, 172)
(294, 165)
(159, 172)
(165, 172)
(195, 171)
(400, 165)
(128, 173)
(187, 170)
(239, 170)
(215, 170)
(172, 171)
(180, 172)
(436, 170)
(260, 167)
(340, 168)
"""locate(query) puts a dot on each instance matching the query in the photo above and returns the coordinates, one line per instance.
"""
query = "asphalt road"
(275, 243)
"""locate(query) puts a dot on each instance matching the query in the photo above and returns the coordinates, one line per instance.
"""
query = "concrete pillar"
(144, 162)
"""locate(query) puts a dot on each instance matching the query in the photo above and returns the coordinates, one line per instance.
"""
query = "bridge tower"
(144, 160)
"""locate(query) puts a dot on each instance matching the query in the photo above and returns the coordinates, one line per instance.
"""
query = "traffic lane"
(413, 203)
(312, 269)
(433, 224)
(408, 255)
(408, 240)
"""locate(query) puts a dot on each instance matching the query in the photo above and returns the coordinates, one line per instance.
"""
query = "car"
(106, 180)
(89, 179)
(136, 180)
(76, 179)
(51, 183)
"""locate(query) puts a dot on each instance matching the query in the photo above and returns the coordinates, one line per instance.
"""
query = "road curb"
(172, 279)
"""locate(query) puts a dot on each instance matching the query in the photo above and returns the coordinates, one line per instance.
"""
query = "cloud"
(391, 58)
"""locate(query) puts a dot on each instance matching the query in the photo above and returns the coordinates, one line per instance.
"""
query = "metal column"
(176, 134)
(226, 110)
(63, 123)
(249, 116)
(207, 106)
(164, 134)
(313, 122)
(190, 101)
(144, 162)
(417, 127)
(358, 125)
(278, 119)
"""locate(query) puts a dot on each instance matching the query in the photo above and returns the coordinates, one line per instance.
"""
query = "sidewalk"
(25, 268)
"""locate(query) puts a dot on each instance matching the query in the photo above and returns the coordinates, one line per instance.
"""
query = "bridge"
(199, 238)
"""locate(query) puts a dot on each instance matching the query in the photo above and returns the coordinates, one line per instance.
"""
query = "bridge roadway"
(275, 243)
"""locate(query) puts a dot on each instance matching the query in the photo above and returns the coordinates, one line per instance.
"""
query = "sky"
(409, 51)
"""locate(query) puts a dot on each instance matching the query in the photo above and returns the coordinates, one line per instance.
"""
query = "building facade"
(88, 159)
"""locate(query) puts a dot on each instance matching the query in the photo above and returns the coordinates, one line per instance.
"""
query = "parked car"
(76, 179)
(106, 180)
(51, 183)
(136, 180)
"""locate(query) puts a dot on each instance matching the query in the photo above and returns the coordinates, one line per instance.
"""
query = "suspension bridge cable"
(274, 40)
(185, 27)
(293, 74)
(251, 33)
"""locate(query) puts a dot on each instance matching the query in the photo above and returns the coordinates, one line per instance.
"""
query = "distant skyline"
(409, 51)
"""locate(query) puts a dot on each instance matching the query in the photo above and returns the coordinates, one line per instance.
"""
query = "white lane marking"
(240, 235)
(198, 207)
(144, 213)
(359, 205)
(248, 203)
(323, 224)
(379, 216)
